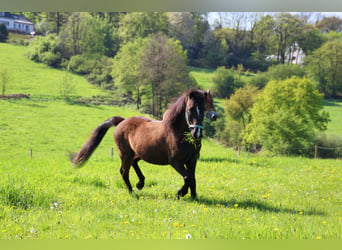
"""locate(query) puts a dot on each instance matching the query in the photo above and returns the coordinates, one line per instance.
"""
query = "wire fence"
(316, 151)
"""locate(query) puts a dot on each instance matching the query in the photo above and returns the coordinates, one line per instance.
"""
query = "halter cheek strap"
(191, 125)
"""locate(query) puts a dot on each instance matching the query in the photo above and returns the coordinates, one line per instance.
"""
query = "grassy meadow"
(246, 197)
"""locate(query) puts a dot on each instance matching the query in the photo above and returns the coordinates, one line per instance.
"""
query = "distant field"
(36, 79)
(335, 110)
(203, 77)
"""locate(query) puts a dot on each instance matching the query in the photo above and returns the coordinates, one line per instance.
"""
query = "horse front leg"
(191, 167)
(179, 167)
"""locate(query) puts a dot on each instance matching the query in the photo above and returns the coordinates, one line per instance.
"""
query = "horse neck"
(176, 122)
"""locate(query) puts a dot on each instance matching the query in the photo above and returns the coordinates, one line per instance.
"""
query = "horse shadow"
(252, 204)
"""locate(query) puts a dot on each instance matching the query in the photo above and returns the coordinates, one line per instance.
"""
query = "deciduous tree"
(286, 116)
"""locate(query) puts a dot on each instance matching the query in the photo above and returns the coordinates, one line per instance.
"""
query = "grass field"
(246, 197)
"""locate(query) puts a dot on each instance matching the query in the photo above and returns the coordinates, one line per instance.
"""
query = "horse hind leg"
(140, 184)
(124, 170)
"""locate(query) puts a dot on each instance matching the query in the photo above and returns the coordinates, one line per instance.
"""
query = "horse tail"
(80, 158)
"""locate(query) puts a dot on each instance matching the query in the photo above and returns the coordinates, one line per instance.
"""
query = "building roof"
(17, 18)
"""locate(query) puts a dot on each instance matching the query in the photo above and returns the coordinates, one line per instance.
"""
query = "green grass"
(36, 79)
(203, 77)
(246, 197)
(335, 110)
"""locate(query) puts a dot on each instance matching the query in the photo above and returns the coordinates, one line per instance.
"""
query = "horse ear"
(206, 93)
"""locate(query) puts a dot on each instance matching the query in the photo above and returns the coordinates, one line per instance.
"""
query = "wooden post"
(31, 153)
(111, 152)
(315, 151)
(238, 151)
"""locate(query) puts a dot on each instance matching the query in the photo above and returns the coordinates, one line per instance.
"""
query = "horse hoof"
(140, 185)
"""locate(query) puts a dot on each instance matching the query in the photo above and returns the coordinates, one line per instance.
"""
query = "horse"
(175, 140)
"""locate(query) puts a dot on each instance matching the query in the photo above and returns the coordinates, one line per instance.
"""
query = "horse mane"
(177, 108)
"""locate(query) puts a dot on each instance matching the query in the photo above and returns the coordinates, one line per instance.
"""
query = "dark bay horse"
(176, 140)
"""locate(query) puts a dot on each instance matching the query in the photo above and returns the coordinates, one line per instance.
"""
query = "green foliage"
(238, 108)
(142, 24)
(65, 85)
(3, 33)
(226, 82)
(125, 70)
(325, 66)
(286, 116)
(151, 70)
(276, 72)
(329, 146)
(81, 64)
(44, 50)
(163, 69)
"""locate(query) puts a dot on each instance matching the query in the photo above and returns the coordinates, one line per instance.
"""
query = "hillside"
(36, 79)
(246, 197)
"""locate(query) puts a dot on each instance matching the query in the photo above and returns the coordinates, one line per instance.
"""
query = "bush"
(286, 115)
(50, 58)
(329, 146)
(3, 33)
(226, 82)
(97, 68)
(44, 50)
(81, 64)
(277, 72)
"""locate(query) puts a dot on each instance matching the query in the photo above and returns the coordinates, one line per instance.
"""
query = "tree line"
(144, 56)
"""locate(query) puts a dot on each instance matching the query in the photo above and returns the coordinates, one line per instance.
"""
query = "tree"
(286, 116)
(77, 36)
(142, 24)
(226, 82)
(287, 31)
(238, 108)
(240, 103)
(126, 68)
(310, 39)
(3, 33)
(325, 65)
(163, 69)
(44, 50)
(332, 23)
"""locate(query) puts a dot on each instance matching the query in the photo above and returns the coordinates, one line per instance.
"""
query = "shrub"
(329, 146)
(226, 82)
(286, 116)
(45, 50)
(3, 33)
(277, 72)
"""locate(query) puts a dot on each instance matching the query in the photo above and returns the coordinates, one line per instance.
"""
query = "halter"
(191, 125)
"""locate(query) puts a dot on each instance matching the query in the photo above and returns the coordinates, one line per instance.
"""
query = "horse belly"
(152, 153)
(149, 144)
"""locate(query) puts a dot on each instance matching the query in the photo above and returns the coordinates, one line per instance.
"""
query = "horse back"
(144, 138)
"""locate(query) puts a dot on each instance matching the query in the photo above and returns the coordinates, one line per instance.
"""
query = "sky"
(214, 16)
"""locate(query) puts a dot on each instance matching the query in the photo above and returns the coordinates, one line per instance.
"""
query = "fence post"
(111, 152)
(315, 151)
(31, 153)
(238, 151)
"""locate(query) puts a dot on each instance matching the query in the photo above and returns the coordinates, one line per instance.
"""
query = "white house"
(16, 22)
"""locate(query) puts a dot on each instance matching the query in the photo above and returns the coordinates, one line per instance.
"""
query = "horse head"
(197, 103)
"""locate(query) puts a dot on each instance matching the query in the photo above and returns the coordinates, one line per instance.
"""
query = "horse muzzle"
(212, 115)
